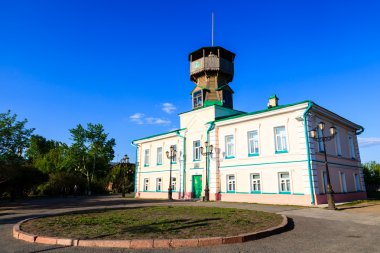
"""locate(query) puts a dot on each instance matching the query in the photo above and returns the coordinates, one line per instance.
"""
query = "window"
(352, 147)
(324, 180)
(343, 181)
(196, 150)
(159, 156)
(146, 157)
(158, 184)
(174, 160)
(280, 139)
(146, 184)
(255, 183)
(357, 182)
(253, 143)
(284, 182)
(197, 99)
(230, 183)
(320, 143)
(337, 143)
(229, 146)
(174, 183)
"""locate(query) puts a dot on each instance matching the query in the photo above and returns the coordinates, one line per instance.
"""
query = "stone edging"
(148, 243)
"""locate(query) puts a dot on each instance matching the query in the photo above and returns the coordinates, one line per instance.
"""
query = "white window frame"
(337, 143)
(351, 145)
(286, 181)
(320, 143)
(146, 157)
(196, 103)
(174, 183)
(231, 183)
(197, 150)
(158, 184)
(230, 146)
(159, 156)
(324, 181)
(255, 183)
(357, 182)
(253, 143)
(146, 184)
(282, 136)
(343, 182)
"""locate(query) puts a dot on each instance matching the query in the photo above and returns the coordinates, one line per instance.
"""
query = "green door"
(197, 186)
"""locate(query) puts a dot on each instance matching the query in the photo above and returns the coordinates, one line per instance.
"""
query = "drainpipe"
(361, 130)
(308, 152)
(136, 165)
(211, 127)
(184, 164)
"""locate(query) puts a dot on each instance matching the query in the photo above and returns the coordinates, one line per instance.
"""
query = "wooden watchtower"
(212, 69)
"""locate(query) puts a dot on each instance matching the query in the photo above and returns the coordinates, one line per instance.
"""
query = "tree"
(371, 172)
(14, 137)
(91, 151)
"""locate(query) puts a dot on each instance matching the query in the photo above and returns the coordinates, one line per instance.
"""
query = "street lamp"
(323, 138)
(124, 161)
(207, 153)
(170, 155)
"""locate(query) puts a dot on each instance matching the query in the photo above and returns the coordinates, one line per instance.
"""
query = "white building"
(265, 156)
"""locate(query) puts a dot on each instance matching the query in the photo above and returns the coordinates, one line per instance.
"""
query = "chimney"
(273, 101)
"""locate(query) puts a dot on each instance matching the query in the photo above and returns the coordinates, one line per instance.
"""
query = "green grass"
(358, 202)
(153, 222)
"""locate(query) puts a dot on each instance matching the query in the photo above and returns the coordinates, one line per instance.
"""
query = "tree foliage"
(371, 172)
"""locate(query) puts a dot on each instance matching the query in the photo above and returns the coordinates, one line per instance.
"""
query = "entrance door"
(197, 186)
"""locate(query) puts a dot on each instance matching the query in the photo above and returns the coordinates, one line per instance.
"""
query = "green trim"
(154, 171)
(281, 151)
(256, 192)
(208, 103)
(210, 128)
(254, 154)
(273, 96)
(196, 168)
(136, 166)
(156, 135)
(340, 164)
(298, 194)
(256, 164)
(284, 193)
(260, 111)
(229, 157)
(269, 192)
(308, 152)
(198, 160)
(231, 192)
(183, 164)
(146, 165)
(158, 164)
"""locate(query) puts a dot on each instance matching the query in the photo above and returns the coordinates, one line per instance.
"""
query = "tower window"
(197, 99)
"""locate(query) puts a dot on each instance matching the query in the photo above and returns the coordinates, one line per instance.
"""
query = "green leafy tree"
(371, 172)
(14, 137)
(91, 151)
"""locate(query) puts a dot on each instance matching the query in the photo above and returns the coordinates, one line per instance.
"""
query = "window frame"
(282, 136)
(159, 156)
(351, 146)
(146, 185)
(233, 183)
(146, 157)
(174, 184)
(196, 98)
(255, 143)
(358, 187)
(343, 182)
(158, 184)
(227, 143)
(197, 150)
(287, 183)
(338, 146)
(257, 183)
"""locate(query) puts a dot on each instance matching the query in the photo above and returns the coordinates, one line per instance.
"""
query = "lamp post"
(323, 138)
(207, 153)
(170, 155)
(124, 161)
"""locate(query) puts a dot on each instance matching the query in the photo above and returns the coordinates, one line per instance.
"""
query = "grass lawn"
(153, 222)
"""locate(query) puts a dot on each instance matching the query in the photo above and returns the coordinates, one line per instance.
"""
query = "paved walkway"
(313, 229)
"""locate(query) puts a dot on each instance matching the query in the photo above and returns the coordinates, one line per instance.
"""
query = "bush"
(62, 184)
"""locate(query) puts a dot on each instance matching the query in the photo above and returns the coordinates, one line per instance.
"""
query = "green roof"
(156, 135)
(260, 111)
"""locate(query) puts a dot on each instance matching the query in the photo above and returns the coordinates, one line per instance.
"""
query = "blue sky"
(124, 63)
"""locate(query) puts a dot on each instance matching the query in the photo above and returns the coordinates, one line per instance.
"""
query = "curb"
(148, 243)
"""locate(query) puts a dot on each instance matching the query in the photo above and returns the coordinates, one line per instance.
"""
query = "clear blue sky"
(120, 63)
